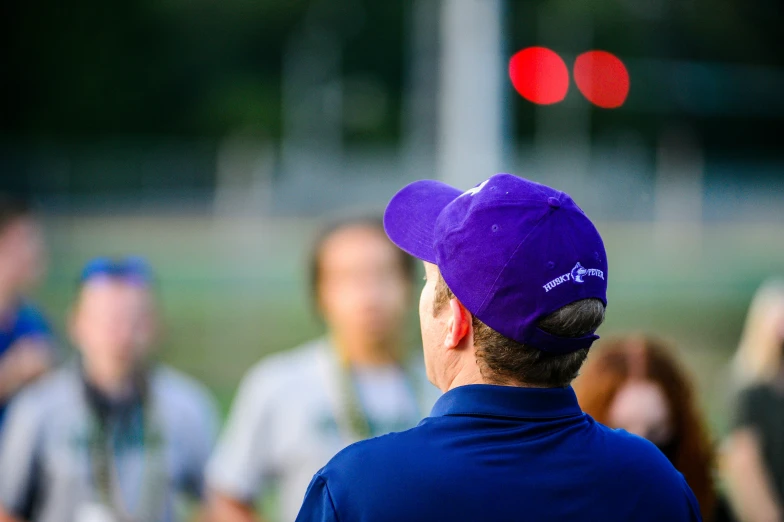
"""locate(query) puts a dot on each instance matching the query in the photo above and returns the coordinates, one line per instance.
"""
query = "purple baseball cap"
(511, 250)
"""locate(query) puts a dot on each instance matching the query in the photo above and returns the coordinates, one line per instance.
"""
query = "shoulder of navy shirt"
(495, 453)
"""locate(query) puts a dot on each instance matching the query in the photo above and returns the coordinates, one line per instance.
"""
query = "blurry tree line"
(89, 69)
(175, 67)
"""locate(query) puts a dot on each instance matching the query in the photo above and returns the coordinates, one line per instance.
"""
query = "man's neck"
(472, 374)
(468, 374)
(364, 354)
(113, 385)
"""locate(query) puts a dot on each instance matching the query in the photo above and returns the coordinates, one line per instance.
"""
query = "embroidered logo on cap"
(578, 272)
(576, 275)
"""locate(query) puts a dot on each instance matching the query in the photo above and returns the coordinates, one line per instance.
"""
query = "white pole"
(470, 130)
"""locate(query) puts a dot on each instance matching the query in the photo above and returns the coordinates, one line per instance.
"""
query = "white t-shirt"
(387, 398)
(290, 416)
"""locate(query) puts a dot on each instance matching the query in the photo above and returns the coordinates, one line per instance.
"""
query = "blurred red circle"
(602, 78)
(539, 75)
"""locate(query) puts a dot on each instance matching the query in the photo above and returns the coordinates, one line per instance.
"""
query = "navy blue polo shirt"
(496, 453)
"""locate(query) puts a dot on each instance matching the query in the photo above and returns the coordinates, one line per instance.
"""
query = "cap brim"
(410, 217)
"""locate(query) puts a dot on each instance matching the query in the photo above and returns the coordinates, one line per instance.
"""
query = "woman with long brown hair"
(635, 383)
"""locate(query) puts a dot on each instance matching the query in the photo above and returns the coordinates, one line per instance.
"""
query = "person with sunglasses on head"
(27, 347)
(516, 287)
(112, 437)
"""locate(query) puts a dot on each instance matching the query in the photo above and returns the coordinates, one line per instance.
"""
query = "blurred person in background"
(753, 460)
(295, 410)
(111, 437)
(26, 344)
(636, 384)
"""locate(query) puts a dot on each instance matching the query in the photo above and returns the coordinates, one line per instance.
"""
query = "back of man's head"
(505, 361)
(523, 259)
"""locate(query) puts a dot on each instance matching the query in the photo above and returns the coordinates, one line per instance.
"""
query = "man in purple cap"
(516, 283)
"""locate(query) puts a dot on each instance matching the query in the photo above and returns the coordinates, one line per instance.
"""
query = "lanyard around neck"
(356, 415)
(104, 467)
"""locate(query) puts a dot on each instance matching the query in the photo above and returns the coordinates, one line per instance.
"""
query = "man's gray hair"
(575, 319)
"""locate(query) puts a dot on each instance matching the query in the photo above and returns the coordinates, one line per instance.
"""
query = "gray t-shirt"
(290, 416)
(47, 471)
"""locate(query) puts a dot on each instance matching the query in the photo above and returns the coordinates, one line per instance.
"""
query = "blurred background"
(214, 137)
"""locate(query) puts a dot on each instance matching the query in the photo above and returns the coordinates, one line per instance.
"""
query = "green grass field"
(233, 291)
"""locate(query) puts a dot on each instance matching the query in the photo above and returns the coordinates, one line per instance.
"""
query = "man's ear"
(458, 325)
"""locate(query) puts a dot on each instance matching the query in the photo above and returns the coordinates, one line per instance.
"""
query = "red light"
(539, 75)
(602, 78)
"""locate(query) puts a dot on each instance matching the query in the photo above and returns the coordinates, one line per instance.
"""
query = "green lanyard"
(357, 417)
(105, 474)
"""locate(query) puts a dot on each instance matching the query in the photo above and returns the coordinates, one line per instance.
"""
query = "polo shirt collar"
(507, 401)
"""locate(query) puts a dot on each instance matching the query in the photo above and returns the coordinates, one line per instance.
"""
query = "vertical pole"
(470, 130)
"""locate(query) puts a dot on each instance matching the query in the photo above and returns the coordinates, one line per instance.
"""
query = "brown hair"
(373, 222)
(621, 359)
(505, 361)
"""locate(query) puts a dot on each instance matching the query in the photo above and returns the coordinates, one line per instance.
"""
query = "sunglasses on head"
(132, 269)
